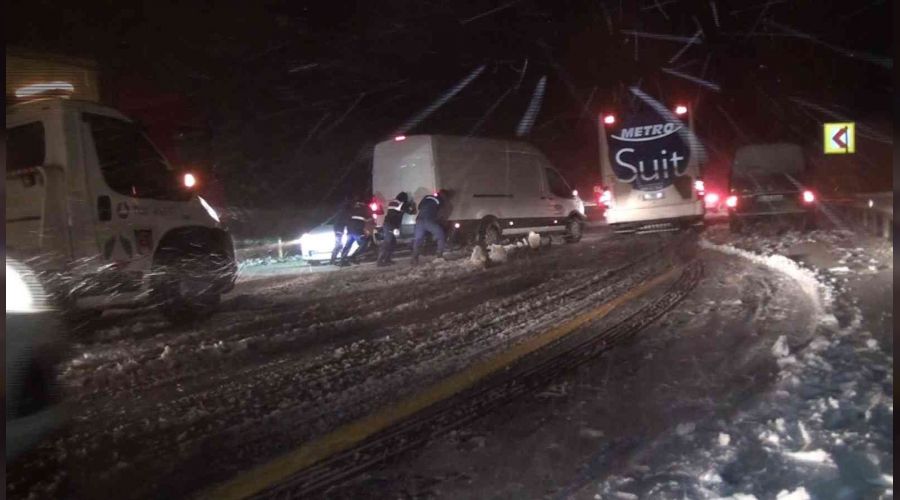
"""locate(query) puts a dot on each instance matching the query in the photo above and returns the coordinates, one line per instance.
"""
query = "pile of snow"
(824, 430)
(820, 295)
(267, 261)
(534, 240)
(478, 257)
(498, 253)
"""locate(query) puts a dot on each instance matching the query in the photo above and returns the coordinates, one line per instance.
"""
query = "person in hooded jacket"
(427, 222)
(391, 228)
(356, 230)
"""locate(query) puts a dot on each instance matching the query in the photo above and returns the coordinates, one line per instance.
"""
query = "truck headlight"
(23, 292)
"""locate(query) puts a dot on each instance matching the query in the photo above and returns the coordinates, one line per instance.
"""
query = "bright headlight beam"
(18, 296)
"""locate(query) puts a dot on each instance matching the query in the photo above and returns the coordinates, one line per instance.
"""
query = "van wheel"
(490, 234)
(574, 230)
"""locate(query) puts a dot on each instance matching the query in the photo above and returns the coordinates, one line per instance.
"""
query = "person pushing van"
(427, 222)
(392, 220)
(356, 230)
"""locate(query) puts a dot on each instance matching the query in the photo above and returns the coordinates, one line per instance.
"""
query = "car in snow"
(317, 244)
(33, 349)
(102, 211)
(497, 188)
(768, 183)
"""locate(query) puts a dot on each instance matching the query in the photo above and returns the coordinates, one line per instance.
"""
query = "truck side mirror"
(104, 208)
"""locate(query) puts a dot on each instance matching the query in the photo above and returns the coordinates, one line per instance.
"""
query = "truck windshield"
(131, 165)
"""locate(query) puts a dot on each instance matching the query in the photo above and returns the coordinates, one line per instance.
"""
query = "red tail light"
(375, 207)
(609, 119)
(711, 199)
(731, 201)
(808, 196)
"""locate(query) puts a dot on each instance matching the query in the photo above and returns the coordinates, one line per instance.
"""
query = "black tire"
(806, 223)
(574, 230)
(736, 226)
(490, 234)
(178, 303)
(77, 321)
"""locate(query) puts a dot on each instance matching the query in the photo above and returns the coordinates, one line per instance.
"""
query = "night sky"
(292, 96)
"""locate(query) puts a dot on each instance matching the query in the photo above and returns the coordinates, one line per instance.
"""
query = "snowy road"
(769, 380)
(167, 410)
(162, 412)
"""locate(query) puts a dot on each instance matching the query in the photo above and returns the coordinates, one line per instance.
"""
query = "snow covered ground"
(292, 355)
(774, 377)
(773, 380)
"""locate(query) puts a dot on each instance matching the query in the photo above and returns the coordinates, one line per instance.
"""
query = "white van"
(94, 207)
(497, 188)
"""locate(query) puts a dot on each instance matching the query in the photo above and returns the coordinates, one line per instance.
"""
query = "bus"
(650, 166)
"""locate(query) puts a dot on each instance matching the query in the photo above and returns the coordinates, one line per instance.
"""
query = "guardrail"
(872, 213)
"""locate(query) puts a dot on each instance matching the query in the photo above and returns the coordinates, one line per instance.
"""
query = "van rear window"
(25, 146)
(131, 165)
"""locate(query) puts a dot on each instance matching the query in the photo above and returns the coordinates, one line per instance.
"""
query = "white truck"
(497, 188)
(94, 207)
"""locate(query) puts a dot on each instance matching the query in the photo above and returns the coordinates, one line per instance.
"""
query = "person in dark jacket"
(340, 225)
(391, 228)
(427, 222)
(356, 230)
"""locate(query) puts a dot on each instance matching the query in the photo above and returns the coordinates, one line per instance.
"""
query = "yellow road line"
(350, 434)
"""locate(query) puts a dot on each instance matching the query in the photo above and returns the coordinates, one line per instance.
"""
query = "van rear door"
(403, 165)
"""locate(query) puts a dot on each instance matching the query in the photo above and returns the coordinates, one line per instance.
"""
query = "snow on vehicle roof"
(768, 159)
(59, 102)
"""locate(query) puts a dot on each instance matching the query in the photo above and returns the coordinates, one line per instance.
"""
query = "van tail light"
(711, 199)
(731, 201)
(808, 197)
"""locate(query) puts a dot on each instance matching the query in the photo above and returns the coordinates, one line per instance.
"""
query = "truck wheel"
(490, 234)
(574, 230)
(78, 320)
(181, 309)
(186, 295)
